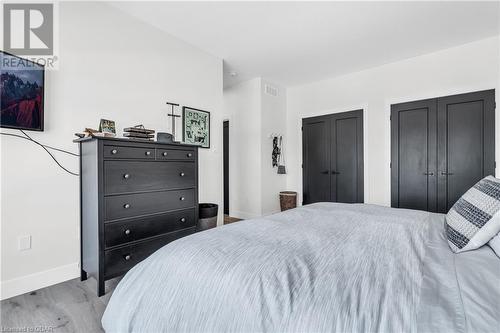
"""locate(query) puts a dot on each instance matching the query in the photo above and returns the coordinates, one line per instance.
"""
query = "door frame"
(225, 166)
(357, 113)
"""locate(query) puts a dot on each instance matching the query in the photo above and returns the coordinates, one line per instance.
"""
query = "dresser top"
(146, 142)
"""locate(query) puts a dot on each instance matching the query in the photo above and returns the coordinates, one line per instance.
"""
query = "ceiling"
(293, 43)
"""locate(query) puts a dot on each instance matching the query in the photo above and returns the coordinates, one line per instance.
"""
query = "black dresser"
(135, 197)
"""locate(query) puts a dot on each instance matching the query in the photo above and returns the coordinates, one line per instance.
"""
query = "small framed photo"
(107, 127)
(196, 127)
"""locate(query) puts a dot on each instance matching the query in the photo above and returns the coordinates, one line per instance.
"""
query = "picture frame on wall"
(196, 127)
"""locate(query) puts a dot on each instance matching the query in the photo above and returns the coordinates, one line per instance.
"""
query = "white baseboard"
(243, 215)
(247, 216)
(271, 212)
(27, 283)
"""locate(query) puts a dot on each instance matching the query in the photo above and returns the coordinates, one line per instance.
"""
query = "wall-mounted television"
(22, 90)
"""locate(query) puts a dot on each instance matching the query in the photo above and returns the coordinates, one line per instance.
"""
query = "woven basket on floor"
(288, 200)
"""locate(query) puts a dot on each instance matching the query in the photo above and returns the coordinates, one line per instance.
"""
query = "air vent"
(270, 90)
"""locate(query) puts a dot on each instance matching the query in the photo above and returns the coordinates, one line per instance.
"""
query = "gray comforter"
(319, 268)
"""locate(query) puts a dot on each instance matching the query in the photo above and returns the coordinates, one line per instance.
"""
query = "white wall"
(253, 115)
(466, 68)
(111, 66)
(273, 120)
(242, 105)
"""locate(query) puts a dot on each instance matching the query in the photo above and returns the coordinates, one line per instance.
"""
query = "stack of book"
(139, 132)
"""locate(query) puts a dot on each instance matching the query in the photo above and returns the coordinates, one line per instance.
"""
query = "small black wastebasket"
(208, 216)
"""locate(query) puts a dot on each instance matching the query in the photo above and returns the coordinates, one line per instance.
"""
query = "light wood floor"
(228, 219)
(71, 306)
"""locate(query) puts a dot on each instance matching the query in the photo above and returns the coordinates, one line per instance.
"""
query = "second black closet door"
(466, 144)
(440, 148)
(414, 157)
(333, 158)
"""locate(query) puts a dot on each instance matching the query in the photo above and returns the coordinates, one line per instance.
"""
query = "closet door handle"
(443, 173)
(335, 172)
(324, 172)
(428, 173)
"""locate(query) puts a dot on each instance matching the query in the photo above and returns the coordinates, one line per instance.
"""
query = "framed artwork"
(21, 93)
(196, 127)
(107, 127)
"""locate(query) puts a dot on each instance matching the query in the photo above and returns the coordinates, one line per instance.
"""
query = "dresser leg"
(83, 275)
(100, 287)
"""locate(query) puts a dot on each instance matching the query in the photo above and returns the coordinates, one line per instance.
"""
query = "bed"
(324, 267)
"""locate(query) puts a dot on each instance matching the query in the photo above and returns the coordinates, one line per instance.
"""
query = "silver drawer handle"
(127, 257)
(164, 153)
(127, 232)
(126, 206)
(148, 153)
(114, 151)
(189, 155)
(126, 176)
(182, 198)
(183, 219)
(182, 174)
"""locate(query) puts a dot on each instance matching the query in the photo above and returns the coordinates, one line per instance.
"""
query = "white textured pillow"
(494, 243)
(475, 218)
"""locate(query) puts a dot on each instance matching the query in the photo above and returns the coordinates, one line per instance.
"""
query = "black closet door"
(413, 155)
(440, 148)
(316, 159)
(333, 158)
(347, 157)
(466, 143)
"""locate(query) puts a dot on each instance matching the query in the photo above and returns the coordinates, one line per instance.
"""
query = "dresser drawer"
(120, 260)
(175, 154)
(130, 205)
(128, 152)
(132, 230)
(132, 176)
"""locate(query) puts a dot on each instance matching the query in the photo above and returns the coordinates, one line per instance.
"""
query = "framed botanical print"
(196, 127)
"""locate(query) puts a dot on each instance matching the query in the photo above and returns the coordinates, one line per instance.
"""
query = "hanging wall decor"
(276, 151)
(196, 127)
(281, 160)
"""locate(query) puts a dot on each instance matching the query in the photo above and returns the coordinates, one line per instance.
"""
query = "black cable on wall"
(46, 148)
